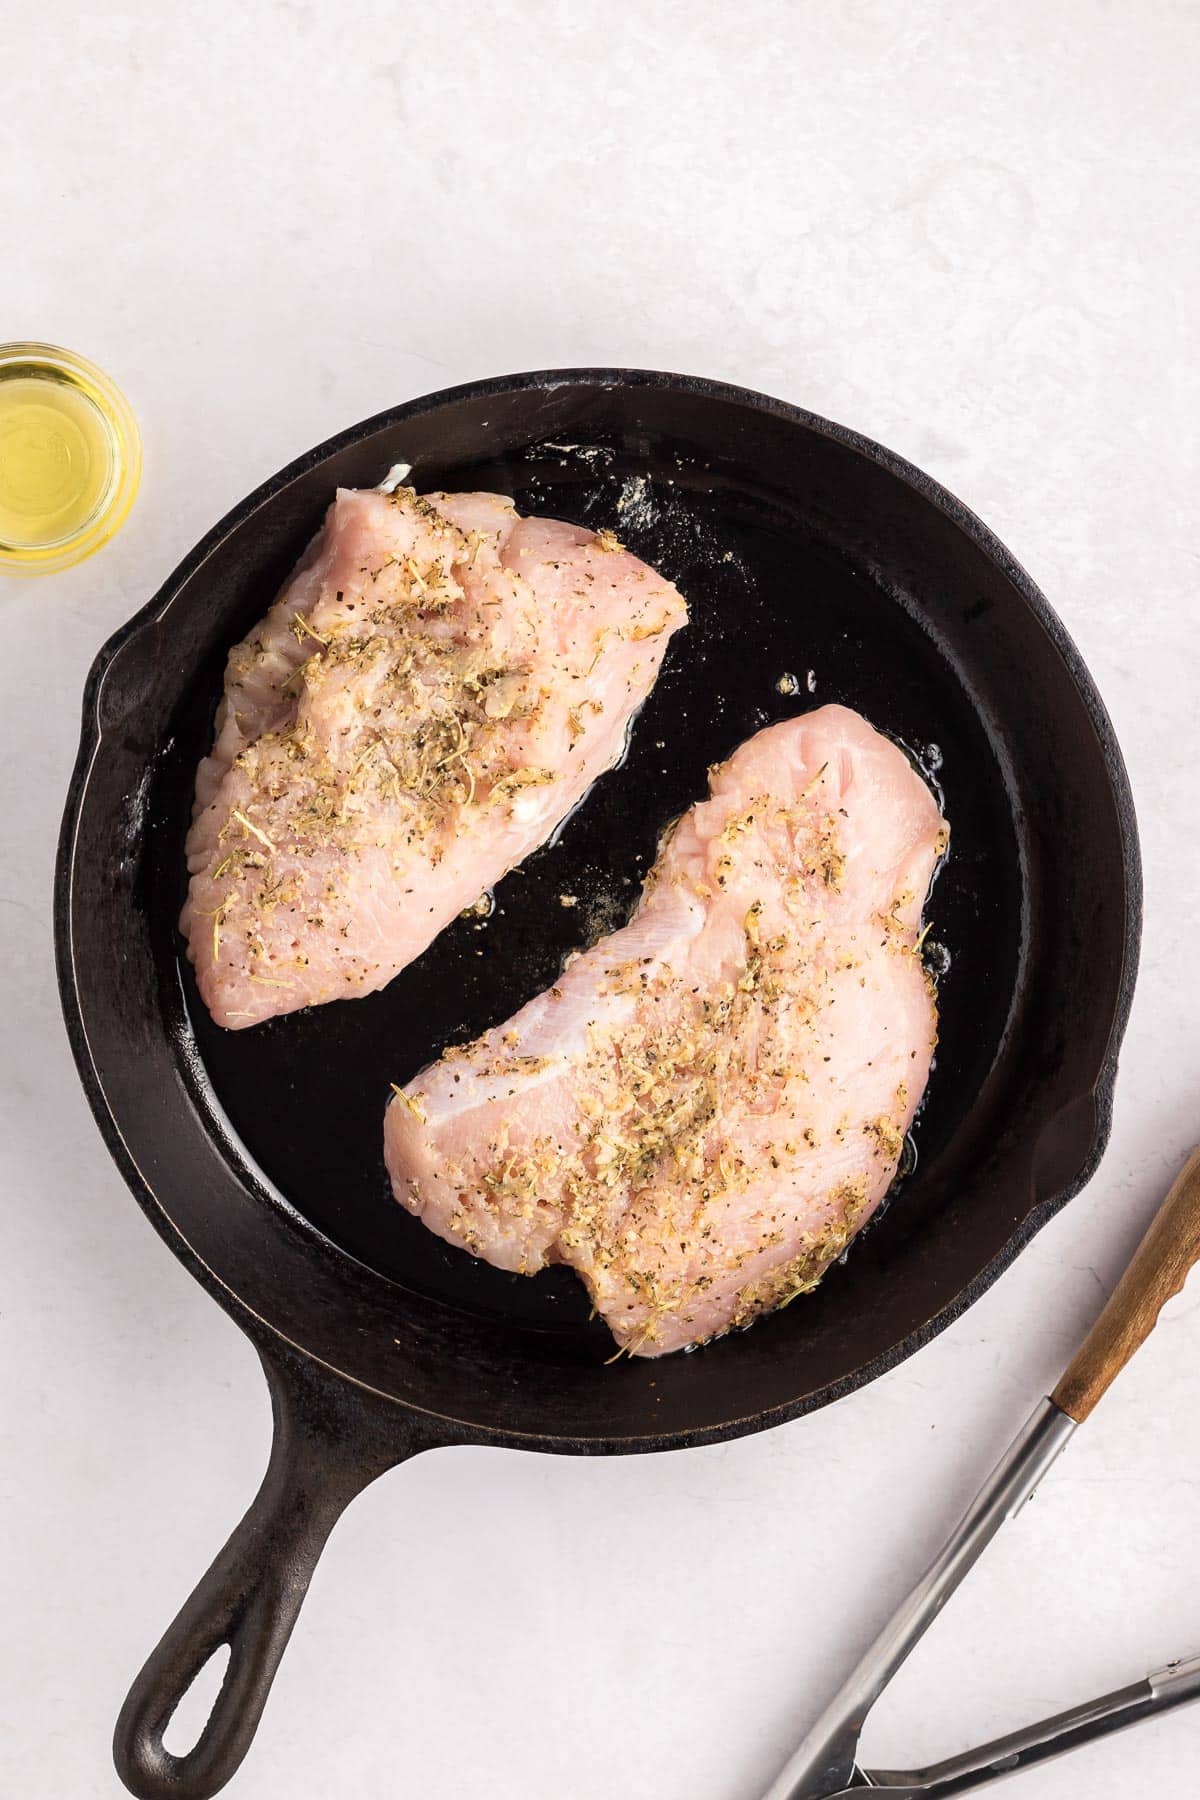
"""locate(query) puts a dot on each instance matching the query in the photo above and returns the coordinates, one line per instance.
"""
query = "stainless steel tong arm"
(825, 1767)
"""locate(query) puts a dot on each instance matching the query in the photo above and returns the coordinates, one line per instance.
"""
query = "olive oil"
(56, 460)
(69, 458)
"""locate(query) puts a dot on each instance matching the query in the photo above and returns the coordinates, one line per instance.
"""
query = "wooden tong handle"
(1158, 1269)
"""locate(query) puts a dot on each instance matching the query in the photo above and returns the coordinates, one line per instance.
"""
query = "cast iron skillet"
(801, 547)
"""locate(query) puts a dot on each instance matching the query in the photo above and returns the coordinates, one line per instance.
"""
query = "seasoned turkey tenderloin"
(707, 1105)
(436, 688)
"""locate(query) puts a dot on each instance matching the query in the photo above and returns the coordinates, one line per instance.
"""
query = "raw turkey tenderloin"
(707, 1105)
(436, 688)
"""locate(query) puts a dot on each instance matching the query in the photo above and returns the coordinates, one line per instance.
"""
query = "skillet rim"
(266, 1335)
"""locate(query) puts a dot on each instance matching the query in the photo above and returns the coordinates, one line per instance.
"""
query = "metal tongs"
(826, 1767)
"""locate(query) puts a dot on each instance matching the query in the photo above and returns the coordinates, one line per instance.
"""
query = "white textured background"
(968, 230)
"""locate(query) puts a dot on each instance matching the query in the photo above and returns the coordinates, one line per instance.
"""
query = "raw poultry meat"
(436, 688)
(708, 1104)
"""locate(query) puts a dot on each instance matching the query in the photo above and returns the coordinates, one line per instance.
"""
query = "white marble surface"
(967, 229)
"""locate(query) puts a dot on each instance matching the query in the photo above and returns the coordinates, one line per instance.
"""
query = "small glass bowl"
(98, 496)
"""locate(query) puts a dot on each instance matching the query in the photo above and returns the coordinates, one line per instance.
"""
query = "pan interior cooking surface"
(783, 618)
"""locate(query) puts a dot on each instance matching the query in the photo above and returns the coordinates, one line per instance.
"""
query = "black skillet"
(801, 547)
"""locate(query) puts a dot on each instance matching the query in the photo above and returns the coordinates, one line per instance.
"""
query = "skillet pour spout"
(802, 548)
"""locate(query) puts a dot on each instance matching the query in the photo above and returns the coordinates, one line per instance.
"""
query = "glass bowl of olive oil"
(70, 458)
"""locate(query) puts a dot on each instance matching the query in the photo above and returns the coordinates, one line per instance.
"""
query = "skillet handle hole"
(187, 1723)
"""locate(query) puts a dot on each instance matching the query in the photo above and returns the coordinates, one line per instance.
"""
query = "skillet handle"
(330, 1443)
